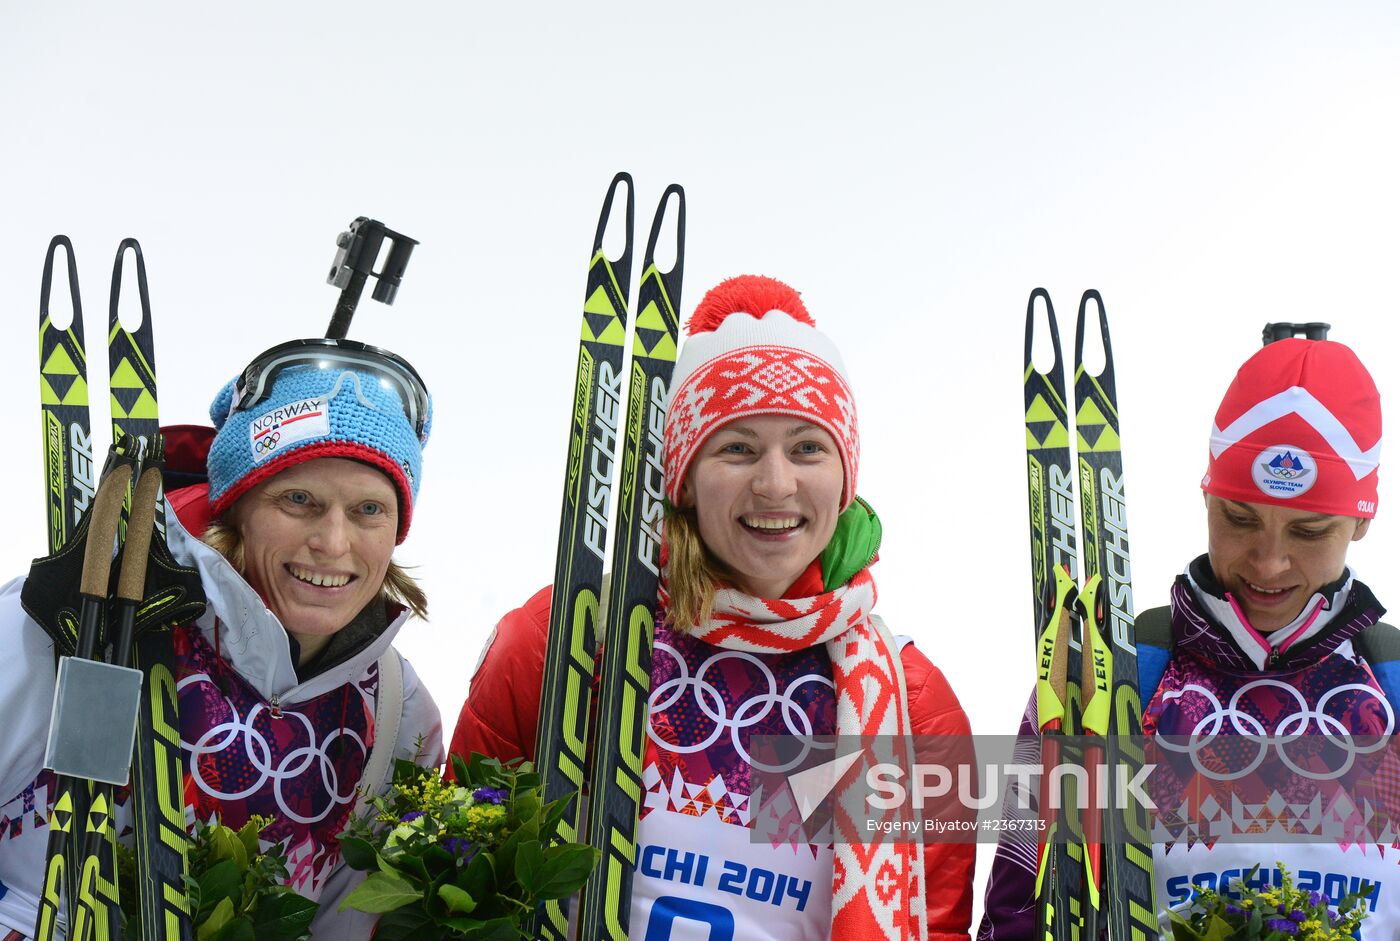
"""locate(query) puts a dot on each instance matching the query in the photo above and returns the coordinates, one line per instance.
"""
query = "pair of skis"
(81, 861)
(1094, 868)
(617, 418)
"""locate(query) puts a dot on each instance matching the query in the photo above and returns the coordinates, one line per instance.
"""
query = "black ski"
(1131, 912)
(595, 416)
(1054, 575)
(157, 793)
(619, 744)
(70, 481)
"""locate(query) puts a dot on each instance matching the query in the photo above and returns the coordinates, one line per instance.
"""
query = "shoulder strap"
(388, 712)
(896, 644)
(900, 641)
(1379, 643)
(1379, 646)
(1153, 632)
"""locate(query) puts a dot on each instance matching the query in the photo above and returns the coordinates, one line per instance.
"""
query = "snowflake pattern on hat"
(754, 350)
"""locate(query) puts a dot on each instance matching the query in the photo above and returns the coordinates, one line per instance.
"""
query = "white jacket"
(254, 644)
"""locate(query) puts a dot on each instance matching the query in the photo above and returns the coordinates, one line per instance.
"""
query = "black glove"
(173, 595)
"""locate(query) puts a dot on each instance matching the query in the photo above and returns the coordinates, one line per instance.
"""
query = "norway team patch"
(273, 432)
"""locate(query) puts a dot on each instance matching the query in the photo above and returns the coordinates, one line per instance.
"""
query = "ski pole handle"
(97, 555)
(136, 553)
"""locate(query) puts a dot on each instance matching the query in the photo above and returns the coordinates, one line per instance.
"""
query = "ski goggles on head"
(255, 384)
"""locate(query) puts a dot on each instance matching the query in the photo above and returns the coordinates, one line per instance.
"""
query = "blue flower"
(491, 795)
(1231, 909)
(460, 847)
(411, 815)
(1281, 924)
(1297, 916)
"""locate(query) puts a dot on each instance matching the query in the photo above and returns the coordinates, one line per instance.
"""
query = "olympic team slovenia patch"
(273, 432)
(1284, 471)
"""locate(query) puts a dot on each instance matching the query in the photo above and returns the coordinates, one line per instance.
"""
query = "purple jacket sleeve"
(1009, 905)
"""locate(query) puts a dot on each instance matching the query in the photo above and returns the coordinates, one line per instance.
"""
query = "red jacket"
(501, 713)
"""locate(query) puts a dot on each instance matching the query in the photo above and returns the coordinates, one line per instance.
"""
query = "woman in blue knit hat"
(292, 698)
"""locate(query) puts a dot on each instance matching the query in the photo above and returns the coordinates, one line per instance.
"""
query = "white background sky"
(914, 169)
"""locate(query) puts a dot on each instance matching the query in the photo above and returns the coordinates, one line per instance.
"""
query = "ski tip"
(1053, 329)
(604, 217)
(658, 220)
(46, 282)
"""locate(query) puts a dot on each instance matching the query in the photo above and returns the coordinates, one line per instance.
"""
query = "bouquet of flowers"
(1273, 913)
(236, 892)
(470, 860)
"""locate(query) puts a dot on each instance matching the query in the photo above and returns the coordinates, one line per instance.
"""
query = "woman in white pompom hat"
(766, 627)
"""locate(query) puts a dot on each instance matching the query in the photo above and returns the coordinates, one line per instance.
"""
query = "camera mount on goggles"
(256, 382)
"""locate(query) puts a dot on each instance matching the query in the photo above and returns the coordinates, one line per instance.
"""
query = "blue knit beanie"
(313, 413)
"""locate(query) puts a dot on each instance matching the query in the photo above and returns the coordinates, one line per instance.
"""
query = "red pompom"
(751, 294)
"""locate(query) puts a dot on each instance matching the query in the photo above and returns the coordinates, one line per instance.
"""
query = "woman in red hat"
(1270, 636)
(765, 626)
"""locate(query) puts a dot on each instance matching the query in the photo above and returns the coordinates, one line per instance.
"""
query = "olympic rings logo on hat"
(267, 442)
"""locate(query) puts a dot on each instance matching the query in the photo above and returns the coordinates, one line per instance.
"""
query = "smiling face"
(767, 493)
(317, 539)
(1272, 558)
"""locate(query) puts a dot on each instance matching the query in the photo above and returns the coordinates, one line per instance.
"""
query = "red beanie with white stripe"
(752, 349)
(1299, 427)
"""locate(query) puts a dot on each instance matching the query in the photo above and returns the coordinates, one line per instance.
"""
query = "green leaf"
(358, 854)
(437, 860)
(240, 929)
(459, 769)
(1219, 929)
(554, 812)
(564, 871)
(1182, 930)
(529, 861)
(526, 807)
(221, 882)
(406, 923)
(284, 917)
(225, 844)
(250, 831)
(222, 915)
(479, 878)
(496, 929)
(381, 892)
(457, 901)
(413, 865)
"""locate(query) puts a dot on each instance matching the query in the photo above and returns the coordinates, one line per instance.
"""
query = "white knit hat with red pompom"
(752, 349)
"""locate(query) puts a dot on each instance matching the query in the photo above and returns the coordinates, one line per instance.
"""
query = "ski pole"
(1097, 662)
(1052, 700)
(130, 589)
(97, 562)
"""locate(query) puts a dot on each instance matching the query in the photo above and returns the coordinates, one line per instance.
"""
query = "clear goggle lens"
(334, 357)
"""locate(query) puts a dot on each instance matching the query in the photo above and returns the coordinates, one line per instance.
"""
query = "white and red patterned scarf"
(877, 883)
